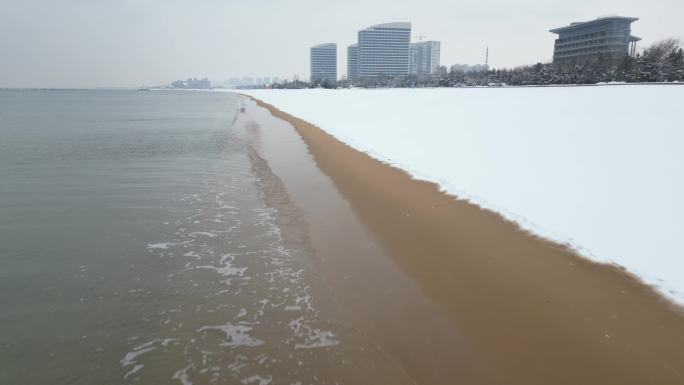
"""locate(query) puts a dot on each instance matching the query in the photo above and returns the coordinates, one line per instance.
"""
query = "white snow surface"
(598, 168)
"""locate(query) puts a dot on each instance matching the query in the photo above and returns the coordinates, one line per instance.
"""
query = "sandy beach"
(452, 293)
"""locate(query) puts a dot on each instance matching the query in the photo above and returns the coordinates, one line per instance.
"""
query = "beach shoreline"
(538, 311)
(570, 178)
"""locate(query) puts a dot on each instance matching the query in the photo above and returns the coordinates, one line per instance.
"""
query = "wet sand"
(389, 331)
(456, 294)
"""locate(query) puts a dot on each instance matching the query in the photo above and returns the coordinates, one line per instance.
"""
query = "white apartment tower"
(383, 50)
(353, 62)
(324, 63)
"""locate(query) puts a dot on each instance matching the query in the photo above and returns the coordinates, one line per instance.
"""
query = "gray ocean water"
(137, 246)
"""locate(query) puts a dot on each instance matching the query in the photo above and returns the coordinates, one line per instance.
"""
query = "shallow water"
(143, 240)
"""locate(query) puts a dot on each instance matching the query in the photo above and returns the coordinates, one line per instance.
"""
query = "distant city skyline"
(128, 43)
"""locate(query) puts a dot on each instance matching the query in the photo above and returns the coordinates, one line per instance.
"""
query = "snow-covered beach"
(598, 168)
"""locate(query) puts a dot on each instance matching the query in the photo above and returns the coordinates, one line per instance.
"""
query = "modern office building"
(324, 63)
(383, 50)
(353, 62)
(424, 58)
(609, 37)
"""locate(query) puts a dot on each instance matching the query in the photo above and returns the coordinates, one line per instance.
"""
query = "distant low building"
(324, 63)
(608, 37)
(424, 57)
(234, 82)
(192, 83)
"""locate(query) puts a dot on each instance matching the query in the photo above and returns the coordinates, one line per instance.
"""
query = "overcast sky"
(129, 43)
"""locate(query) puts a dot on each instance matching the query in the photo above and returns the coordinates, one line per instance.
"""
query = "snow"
(599, 168)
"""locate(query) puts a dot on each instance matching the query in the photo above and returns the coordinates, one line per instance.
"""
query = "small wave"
(313, 337)
(236, 335)
(129, 358)
(182, 375)
(226, 267)
(318, 338)
(257, 379)
(135, 369)
(164, 245)
(203, 233)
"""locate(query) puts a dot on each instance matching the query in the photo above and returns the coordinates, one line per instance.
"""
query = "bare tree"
(661, 49)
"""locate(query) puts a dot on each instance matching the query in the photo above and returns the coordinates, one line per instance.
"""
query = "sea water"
(137, 245)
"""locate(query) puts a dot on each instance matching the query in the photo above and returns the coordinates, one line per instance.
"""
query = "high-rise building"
(383, 50)
(609, 37)
(424, 57)
(324, 63)
(353, 62)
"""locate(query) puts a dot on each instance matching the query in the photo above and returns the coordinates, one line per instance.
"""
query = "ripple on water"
(243, 304)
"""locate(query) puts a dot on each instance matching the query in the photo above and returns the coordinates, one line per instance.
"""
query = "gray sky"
(129, 43)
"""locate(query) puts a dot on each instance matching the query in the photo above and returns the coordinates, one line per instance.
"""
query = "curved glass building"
(609, 37)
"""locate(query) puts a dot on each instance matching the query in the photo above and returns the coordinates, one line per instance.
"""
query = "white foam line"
(258, 380)
(130, 357)
(236, 335)
(182, 375)
(135, 369)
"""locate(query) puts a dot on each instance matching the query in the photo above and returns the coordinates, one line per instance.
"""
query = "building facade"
(324, 63)
(424, 58)
(353, 62)
(383, 50)
(608, 37)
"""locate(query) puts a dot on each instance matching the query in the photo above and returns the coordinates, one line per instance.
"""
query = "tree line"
(663, 61)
